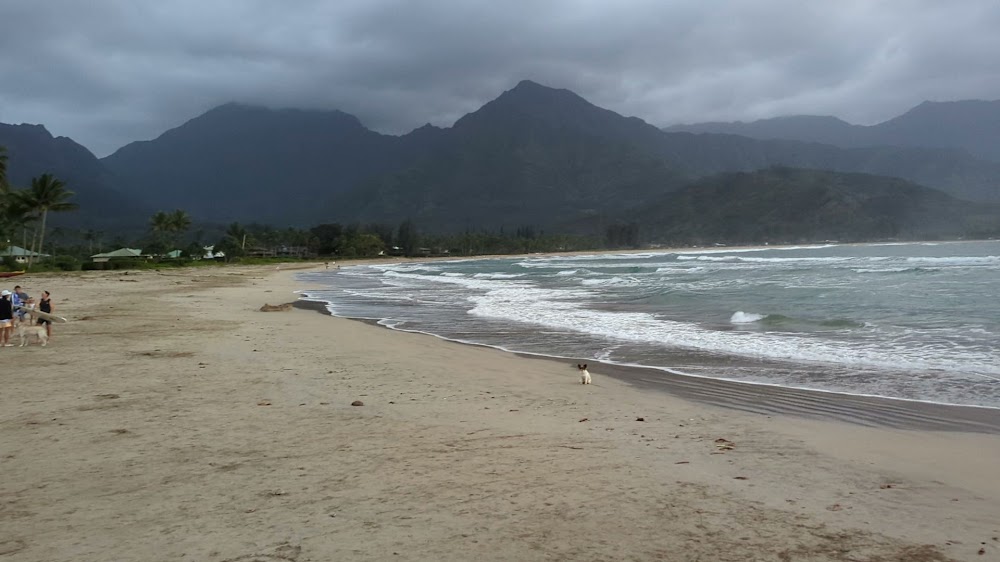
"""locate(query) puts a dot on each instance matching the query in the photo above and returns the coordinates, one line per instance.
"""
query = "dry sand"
(170, 419)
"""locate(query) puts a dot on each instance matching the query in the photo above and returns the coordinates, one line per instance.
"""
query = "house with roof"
(119, 253)
(19, 254)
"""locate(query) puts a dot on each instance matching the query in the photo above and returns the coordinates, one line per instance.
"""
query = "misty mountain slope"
(790, 205)
(33, 151)
(806, 128)
(238, 162)
(953, 171)
(971, 125)
(536, 155)
(533, 156)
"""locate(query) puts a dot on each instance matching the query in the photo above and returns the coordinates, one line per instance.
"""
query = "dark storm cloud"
(106, 72)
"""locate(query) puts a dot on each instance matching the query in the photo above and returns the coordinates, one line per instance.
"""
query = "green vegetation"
(47, 194)
(166, 228)
(786, 205)
(3, 167)
(21, 209)
(776, 205)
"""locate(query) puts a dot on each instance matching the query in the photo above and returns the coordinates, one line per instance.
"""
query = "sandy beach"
(171, 419)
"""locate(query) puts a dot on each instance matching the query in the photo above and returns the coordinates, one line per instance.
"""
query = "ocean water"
(914, 321)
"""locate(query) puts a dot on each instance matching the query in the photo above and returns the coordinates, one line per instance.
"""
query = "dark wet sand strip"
(775, 400)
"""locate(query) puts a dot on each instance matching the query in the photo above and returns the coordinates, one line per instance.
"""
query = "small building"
(260, 252)
(119, 253)
(19, 254)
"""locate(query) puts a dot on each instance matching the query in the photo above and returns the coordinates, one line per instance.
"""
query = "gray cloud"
(107, 72)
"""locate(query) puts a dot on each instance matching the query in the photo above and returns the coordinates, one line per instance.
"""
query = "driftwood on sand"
(276, 307)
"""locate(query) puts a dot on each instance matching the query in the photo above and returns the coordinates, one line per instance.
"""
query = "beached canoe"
(6, 274)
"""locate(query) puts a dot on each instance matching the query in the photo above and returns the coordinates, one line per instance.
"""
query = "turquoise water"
(910, 321)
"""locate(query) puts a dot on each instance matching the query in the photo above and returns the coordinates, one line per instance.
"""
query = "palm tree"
(89, 236)
(48, 194)
(179, 222)
(15, 213)
(159, 222)
(3, 168)
(236, 239)
(5, 195)
(169, 224)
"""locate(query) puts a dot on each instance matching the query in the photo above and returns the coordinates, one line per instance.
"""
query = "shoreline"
(171, 419)
(761, 398)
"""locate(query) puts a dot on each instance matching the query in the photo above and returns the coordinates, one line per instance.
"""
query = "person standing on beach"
(45, 305)
(6, 318)
(18, 299)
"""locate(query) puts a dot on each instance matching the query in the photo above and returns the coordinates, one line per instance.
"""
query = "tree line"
(405, 239)
(26, 211)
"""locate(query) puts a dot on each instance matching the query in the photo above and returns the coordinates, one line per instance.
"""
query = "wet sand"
(771, 399)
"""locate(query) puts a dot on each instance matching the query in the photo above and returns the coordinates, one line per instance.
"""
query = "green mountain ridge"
(969, 125)
(538, 155)
(534, 156)
(786, 205)
(33, 151)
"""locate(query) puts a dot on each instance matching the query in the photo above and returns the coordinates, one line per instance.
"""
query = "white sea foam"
(776, 260)
(881, 270)
(957, 260)
(696, 269)
(406, 268)
(941, 355)
(727, 250)
(610, 281)
(708, 258)
(498, 275)
(537, 307)
(740, 317)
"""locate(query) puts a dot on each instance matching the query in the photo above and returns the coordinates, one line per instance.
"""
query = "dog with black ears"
(584, 374)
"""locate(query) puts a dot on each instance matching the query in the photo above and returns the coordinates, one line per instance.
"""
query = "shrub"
(65, 263)
(127, 263)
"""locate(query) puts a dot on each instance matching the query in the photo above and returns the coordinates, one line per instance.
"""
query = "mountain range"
(33, 151)
(533, 156)
(970, 125)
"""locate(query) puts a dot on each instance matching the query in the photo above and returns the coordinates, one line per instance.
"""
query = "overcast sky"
(108, 72)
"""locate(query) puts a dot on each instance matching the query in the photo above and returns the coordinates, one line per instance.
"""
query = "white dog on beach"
(584, 374)
(27, 328)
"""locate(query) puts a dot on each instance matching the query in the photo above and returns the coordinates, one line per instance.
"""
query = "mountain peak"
(526, 90)
(970, 109)
(240, 110)
(33, 130)
(533, 104)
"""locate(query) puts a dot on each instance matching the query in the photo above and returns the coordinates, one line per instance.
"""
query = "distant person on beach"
(45, 305)
(17, 299)
(6, 318)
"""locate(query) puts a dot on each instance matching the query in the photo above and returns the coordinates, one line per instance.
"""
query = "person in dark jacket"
(6, 318)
